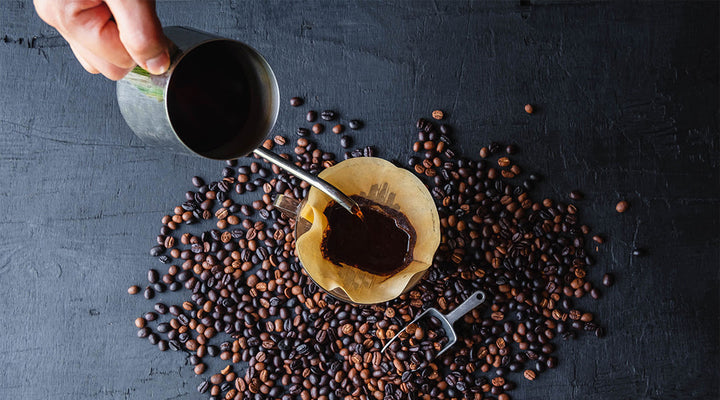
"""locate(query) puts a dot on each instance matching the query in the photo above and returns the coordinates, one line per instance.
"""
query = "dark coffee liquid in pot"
(218, 102)
(381, 244)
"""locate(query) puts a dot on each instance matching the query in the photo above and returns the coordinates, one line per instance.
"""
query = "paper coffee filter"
(382, 182)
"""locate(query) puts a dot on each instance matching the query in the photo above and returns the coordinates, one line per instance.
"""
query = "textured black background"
(627, 108)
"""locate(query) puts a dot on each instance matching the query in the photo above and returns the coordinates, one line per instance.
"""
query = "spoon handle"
(473, 301)
(319, 183)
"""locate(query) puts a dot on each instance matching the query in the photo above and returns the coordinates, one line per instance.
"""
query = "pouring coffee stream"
(324, 186)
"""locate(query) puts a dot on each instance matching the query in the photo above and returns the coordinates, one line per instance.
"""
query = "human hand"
(111, 36)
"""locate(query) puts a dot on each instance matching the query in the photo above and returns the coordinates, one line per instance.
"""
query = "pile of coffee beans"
(250, 303)
(419, 343)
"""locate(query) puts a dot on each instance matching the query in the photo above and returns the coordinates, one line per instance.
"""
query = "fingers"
(85, 63)
(141, 33)
(94, 64)
(94, 29)
(111, 36)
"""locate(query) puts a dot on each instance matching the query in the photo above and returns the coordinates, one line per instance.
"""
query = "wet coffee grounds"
(245, 299)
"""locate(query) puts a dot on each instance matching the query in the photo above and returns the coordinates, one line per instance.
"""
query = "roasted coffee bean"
(529, 109)
(153, 338)
(198, 181)
(355, 124)
(622, 206)
(161, 308)
(608, 279)
(153, 276)
(328, 115)
(296, 101)
(157, 250)
(311, 116)
(302, 132)
(345, 141)
(134, 289)
(576, 195)
(149, 293)
(318, 128)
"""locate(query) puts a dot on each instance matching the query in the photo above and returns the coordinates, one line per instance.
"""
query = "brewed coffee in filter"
(392, 191)
(380, 243)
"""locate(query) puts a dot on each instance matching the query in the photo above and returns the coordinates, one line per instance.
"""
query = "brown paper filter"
(382, 182)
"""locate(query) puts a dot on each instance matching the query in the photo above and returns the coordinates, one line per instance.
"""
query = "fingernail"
(159, 64)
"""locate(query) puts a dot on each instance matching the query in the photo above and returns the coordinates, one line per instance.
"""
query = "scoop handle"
(468, 305)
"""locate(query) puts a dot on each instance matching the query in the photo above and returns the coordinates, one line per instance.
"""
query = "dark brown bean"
(608, 279)
(311, 116)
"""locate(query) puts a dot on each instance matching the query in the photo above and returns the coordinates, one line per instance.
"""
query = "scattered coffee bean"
(338, 129)
(198, 181)
(608, 279)
(598, 239)
(345, 141)
(134, 289)
(153, 276)
(638, 252)
(576, 195)
(438, 114)
(328, 115)
(529, 108)
(296, 101)
(622, 206)
(149, 293)
(355, 124)
(318, 128)
(311, 116)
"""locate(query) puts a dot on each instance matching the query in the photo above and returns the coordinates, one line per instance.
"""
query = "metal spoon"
(447, 321)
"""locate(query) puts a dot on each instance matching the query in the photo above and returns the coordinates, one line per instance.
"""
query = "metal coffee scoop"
(447, 321)
(324, 186)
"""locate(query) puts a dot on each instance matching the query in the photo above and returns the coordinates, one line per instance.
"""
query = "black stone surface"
(626, 100)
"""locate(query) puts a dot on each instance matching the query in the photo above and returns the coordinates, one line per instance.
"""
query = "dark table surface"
(626, 100)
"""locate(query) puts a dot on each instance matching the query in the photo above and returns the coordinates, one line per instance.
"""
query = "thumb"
(141, 33)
